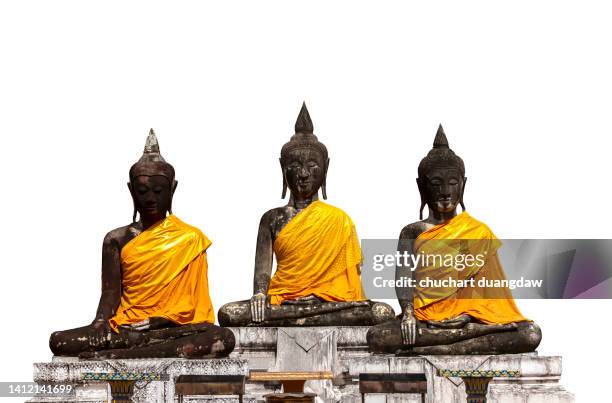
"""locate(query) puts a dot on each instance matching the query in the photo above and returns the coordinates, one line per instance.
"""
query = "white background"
(522, 89)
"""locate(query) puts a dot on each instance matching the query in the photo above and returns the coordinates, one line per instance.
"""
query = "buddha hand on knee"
(258, 307)
(409, 327)
(99, 334)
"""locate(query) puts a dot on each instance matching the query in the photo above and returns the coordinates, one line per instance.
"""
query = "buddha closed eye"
(152, 192)
(307, 167)
(443, 188)
(304, 171)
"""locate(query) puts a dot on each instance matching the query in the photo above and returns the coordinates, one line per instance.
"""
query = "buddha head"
(304, 161)
(152, 182)
(441, 178)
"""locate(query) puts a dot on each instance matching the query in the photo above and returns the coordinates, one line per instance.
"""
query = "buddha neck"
(300, 203)
(148, 222)
(437, 217)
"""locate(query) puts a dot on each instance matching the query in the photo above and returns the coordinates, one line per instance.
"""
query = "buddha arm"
(263, 256)
(404, 294)
(111, 279)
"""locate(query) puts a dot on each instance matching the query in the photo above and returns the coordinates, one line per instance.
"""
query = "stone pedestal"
(271, 349)
(72, 371)
(341, 350)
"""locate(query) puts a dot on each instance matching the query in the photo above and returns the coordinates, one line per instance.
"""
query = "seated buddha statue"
(317, 279)
(155, 300)
(461, 318)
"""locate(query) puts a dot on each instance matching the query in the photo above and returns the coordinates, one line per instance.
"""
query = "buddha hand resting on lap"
(317, 279)
(451, 319)
(155, 300)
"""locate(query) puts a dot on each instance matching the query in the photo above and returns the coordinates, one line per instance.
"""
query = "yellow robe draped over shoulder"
(462, 235)
(165, 274)
(317, 253)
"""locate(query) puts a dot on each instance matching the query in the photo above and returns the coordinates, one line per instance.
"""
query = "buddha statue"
(155, 300)
(317, 279)
(461, 318)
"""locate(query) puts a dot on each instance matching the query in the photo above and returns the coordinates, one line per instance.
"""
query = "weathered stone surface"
(261, 338)
(539, 380)
(539, 377)
(217, 399)
(342, 350)
(309, 349)
(72, 370)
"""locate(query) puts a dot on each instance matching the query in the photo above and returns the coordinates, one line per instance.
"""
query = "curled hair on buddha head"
(440, 156)
(303, 138)
(152, 164)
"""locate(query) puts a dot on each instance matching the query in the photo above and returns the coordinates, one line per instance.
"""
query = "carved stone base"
(73, 371)
(287, 349)
(341, 350)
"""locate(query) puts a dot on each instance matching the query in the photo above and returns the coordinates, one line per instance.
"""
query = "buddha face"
(443, 188)
(305, 171)
(152, 195)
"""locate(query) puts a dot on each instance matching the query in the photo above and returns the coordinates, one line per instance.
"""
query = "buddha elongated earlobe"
(284, 189)
(324, 184)
(423, 203)
(133, 201)
(462, 191)
(174, 185)
(284, 179)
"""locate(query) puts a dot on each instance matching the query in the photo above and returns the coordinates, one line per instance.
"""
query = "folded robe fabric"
(317, 253)
(165, 274)
(462, 235)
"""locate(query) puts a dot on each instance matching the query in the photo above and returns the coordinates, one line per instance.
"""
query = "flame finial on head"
(440, 155)
(303, 123)
(152, 163)
(304, 136)
(440, 141)
(151, 145)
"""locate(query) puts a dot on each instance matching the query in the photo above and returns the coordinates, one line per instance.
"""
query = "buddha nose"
(303, 173)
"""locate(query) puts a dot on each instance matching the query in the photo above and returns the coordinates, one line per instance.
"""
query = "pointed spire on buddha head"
(441, 161)
(440, 155)
(303, 123)
(150, 165)
(304, 145)
(304, 135)
(440, 141)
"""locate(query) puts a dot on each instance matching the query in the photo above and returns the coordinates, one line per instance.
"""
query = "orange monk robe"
(463, 235)
(165, 274)
(317, 253)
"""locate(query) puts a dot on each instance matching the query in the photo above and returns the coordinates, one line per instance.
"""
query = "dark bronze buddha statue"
(317, 279)
(453, 319)
(155, 300)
